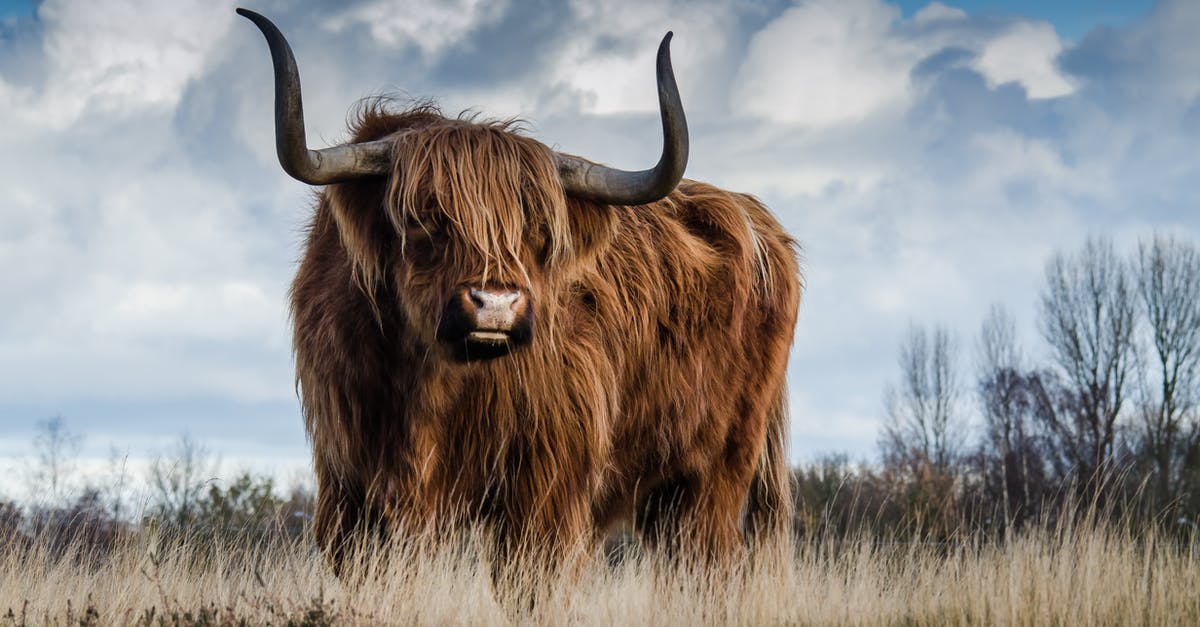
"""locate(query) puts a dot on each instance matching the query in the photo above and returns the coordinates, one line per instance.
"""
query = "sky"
(928, 156)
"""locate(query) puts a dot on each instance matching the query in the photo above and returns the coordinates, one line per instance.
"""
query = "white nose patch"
(494, 310)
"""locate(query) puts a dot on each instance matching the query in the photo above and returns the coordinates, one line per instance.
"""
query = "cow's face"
(486, 238)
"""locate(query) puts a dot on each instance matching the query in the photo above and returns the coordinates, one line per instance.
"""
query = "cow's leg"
(716, 520)
(350, 519)
(745, 486)
(542, 538)
(701, 514)
(661, 513)
(695, 517)
(338, 519)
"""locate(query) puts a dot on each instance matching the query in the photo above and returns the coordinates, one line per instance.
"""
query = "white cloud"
(937, 12)
(124, 56)
(223, 309)
(826, 62)
(1026, 54)
(134, 274)
(611, 58)
(431, 26)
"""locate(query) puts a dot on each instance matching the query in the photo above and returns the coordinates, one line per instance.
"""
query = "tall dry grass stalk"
(1065, 576)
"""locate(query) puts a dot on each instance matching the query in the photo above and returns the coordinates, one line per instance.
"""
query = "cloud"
(431, 27)
(852, 67)
(609, 55)
(1026, 55)
(124, 56)
(109, 212)
(824, 63)
(936, 12)
(1150, 63)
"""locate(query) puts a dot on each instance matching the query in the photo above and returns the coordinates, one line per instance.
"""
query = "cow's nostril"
(488, 299)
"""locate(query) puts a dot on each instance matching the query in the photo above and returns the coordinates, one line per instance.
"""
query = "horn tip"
(664, 47)
(248, 14)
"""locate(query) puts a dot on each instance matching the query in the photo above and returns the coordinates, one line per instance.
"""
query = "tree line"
(179, 497)
(1103, 418)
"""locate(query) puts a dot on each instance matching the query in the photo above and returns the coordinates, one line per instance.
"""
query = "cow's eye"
(540, 240)
(435, 223)
(426, 223)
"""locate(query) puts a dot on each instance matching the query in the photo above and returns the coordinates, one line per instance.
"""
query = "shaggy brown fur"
(652, 390)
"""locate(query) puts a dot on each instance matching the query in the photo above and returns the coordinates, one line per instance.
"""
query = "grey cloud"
(516, 47)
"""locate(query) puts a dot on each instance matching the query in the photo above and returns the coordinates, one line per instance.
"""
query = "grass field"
(1064, 577)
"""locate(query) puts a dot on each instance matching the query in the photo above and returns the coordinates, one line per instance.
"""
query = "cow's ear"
(362, 224)
(592, 228)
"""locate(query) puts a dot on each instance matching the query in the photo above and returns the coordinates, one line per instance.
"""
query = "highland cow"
(488, 332)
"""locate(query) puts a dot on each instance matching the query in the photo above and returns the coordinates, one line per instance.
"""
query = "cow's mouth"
(483, 344)
(488, 337)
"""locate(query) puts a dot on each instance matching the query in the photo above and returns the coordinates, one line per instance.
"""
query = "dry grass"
(1065, 577)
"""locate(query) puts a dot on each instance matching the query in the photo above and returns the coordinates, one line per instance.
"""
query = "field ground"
(1063, 577)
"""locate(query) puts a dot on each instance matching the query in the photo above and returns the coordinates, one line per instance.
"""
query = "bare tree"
(178, 479)
(50, 479)
(923, 423)
(1009, 398)
(1168, 281)
(1087, 316)
(997, 347)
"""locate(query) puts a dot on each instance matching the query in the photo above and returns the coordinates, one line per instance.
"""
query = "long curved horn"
(584, 179)
(315, 167)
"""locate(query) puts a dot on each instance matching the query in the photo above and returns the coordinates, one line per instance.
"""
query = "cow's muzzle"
(485, 323)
